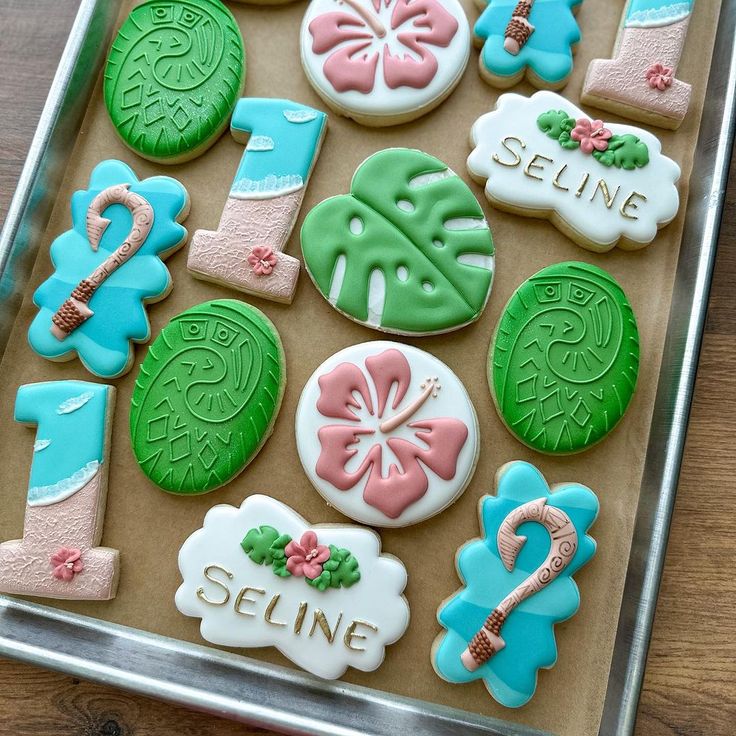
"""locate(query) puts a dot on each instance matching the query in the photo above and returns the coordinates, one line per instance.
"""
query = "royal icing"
(564, 361)
(528, 38)
(387, 433)
(517, 584)
(173, 75)
(384, 61)
(207, 396)
(335, 603)
(640, 81)
(59, 556)
(408, 251)
(107, 267)
(602, 184)
(245, 252)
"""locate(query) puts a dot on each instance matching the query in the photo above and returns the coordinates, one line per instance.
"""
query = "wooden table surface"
(690, 683)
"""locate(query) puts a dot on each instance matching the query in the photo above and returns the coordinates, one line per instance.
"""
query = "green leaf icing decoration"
(173, 76)
(264, 545)
(257, 544)
(207, 396)
(407, 251)
(625, 151)
(564, 361)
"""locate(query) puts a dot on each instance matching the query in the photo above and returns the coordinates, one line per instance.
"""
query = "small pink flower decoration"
(305, 557)
(66, 562)
(591, 135)
(659, 76)
(262, 259)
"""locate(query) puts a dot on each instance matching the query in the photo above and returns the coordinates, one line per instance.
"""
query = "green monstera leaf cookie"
(408, 251)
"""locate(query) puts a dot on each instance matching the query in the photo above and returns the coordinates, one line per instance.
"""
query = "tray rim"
(244, 689)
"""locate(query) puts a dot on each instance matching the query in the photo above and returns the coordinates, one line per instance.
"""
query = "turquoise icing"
(548, 51)
(511, 674)
(282, 146)
(652, 13)
(103, 341)
(71, 417)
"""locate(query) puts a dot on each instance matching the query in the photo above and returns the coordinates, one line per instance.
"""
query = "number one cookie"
(58, 556)
(640, 81)
(246, 251)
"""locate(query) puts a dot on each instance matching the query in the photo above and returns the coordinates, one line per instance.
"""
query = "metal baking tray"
(270, 696)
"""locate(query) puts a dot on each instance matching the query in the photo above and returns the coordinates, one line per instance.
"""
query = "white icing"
(655, 17)
(405, 205)
(338, 277)
(356, 226)
(466, 223)
(601, 227)
(300, 116)
(476, 259)
(376, 297)
(266, 188)
(376, 598)
(422, 180)
(382, 100)
(74, 403)
(452, 401)
(260, 143)
(39, 445)
(46, 495)
(402, 273)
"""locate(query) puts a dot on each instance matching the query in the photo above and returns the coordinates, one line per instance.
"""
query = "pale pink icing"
(305, 558)
(591, 134)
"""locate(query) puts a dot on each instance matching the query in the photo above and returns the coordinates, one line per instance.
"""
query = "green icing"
(173, 76)
(207, 396)
(414, 227)
(341, 570)
(257, 544)
(279, 556)
(625, 151)
(564, 361)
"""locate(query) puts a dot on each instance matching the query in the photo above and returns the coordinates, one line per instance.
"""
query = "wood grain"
(689, 688)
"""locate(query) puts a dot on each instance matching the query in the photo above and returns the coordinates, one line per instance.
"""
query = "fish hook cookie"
(387, 433)
(601, 184)
(108, 267)
(499, 627)
(384, 62)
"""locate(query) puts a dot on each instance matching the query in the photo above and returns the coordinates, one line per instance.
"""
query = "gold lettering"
(633, 205)
(300, 614)
(321, 619)
(582, 186)
(208, 575)
(607, 198)
(242, 596)
(556, 180)
(534, 165)
(269, 612)
(517, 158)
(350, 634)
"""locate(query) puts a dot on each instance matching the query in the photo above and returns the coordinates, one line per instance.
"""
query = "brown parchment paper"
(148, 526)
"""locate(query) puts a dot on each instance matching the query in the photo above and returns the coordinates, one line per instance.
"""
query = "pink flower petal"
(386, 369)
(323, 554)
(311, 570)
(308, 541)
(337, 391)
(295, 565)
(294, 548)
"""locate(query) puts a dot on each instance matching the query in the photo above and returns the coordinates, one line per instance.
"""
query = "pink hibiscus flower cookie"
(384, 62)
(387, 434)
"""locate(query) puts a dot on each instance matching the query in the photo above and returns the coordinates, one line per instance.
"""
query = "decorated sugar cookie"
(246, 251)
(517, 584)
(408, 251)
(207, 396)
(384, 62)
(387, 433)
(59, 555)
(527, 38)
(173, 75)
(602, 184)
(564, 360)
(640, 82)
(323, 595)
(108, 267)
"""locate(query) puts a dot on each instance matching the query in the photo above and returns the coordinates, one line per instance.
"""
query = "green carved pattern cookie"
(207, 396)
(408, 251)
(174, 73)
(564, 361)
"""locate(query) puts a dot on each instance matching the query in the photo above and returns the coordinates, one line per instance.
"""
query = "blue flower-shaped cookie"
(542, 537)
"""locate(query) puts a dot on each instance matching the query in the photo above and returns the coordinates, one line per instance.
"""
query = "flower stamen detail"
(371, 19)
(430, 387)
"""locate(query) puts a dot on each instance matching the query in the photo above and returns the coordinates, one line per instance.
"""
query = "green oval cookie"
(173, 76)
(207, 396)
(564, 360)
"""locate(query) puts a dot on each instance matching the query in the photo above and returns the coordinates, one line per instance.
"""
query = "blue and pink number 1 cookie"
(535, 39)
(107, 267)
(517, 584)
